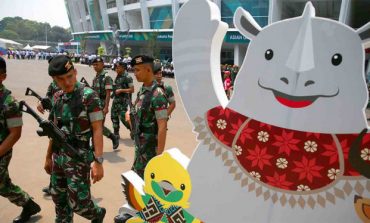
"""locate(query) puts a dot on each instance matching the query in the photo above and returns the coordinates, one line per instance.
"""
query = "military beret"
(141, 59)
(97, 60)
(60, 65)
(157, 67)
(2, 64)
(122, 64)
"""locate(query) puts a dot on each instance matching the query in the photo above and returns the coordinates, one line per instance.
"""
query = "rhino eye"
(269, 54)
(336, 59)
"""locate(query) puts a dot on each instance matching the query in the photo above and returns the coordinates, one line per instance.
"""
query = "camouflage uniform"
(121, 101)
(170, 96)
(52, 89)
(70, 178)
(10, 117)
(101, 83)
(148, 116)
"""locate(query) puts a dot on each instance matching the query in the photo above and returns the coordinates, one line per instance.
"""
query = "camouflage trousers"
(70, 188)
(117, 113)
(143, 155)
(106, 132)
(7, 189)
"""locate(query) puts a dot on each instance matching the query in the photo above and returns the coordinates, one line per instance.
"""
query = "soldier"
(52, 89)
(103, 85)
(10, 132)
(151, 106)
(166, 88)
(123, 88)
(77, 112)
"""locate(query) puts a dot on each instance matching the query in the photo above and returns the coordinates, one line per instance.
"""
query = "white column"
(344, 11)
(91, 21)
(175, 9)
(237, 54)
(81, 6)
(121, 15)
(144, 14)
(104, 14)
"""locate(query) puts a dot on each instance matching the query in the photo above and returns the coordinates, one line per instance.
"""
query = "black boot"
(122, 218)
(116, 133)
(101, 217)
(115, 141)
(29, 209)
(47, 191)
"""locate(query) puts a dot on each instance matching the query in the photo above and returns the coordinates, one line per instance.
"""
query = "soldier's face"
(98, 67)
(67, 81)
(158, 76)
(143, 72)
(119, 69)
(2, 77)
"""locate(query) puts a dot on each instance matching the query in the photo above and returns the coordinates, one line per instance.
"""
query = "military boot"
(101, 216)
(116, 133)
(122, 218)
(29, 209)
(115, 141)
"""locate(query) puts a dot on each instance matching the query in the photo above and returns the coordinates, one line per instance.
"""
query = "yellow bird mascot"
(163, 195)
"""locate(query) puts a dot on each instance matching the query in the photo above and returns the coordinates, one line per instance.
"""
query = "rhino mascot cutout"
(292, 144)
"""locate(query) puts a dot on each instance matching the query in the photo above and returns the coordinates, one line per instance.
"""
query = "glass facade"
(161, 17)
(259, 9)
(324, 8)
(95, 15)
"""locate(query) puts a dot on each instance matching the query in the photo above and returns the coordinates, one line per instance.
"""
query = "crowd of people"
(228, 74)
(80, 111)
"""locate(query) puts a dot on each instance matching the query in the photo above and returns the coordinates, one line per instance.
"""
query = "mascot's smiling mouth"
(295, 101)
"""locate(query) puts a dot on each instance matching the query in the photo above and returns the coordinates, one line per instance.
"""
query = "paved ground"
(26, 167)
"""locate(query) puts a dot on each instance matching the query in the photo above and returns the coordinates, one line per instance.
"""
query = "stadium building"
(145, 26)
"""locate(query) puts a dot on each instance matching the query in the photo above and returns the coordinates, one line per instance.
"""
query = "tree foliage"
(19, 29)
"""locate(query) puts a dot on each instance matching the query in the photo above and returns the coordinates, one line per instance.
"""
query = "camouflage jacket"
(170, 96)
(75, 111)
(122, 81)
(150, 108)
(101, 83)
(10, 115)
(52, 89)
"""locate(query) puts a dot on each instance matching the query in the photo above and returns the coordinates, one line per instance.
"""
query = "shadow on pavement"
(113, 157)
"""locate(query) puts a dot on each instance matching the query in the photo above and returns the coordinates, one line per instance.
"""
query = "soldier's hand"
(97, 172)
(40, 108)
(105, 111)
(127, 116)
(48, 164)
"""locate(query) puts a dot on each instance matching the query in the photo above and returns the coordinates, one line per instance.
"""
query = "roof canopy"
(8, 41)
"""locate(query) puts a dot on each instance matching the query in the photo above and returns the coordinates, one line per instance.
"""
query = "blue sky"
(51, 11)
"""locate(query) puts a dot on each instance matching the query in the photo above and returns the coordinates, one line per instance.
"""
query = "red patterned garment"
(283, 158)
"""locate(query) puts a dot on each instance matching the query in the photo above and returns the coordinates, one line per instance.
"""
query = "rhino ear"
(245, 23)
(364, 33)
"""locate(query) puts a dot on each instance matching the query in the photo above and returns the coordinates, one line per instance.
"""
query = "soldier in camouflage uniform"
(52, 89)
(103, 85)
(77, 112)
(151, 106)
(10, 132)
(166, 88)
(122, 89)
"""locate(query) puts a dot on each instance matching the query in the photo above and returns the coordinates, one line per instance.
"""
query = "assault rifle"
(45, 102)
(49, 129)
(83, 80)
(135, 123)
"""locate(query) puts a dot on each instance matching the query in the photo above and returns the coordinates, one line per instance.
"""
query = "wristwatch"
(99, 159)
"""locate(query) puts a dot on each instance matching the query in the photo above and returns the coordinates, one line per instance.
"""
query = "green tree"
(9, 34)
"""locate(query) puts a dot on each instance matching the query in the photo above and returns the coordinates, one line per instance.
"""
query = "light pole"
(46, 34)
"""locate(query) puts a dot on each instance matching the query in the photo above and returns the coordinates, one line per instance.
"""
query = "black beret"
(2, 64)
(60, 65)
(98, 59)
(157, 67)
(141, 59)
(122, 64)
